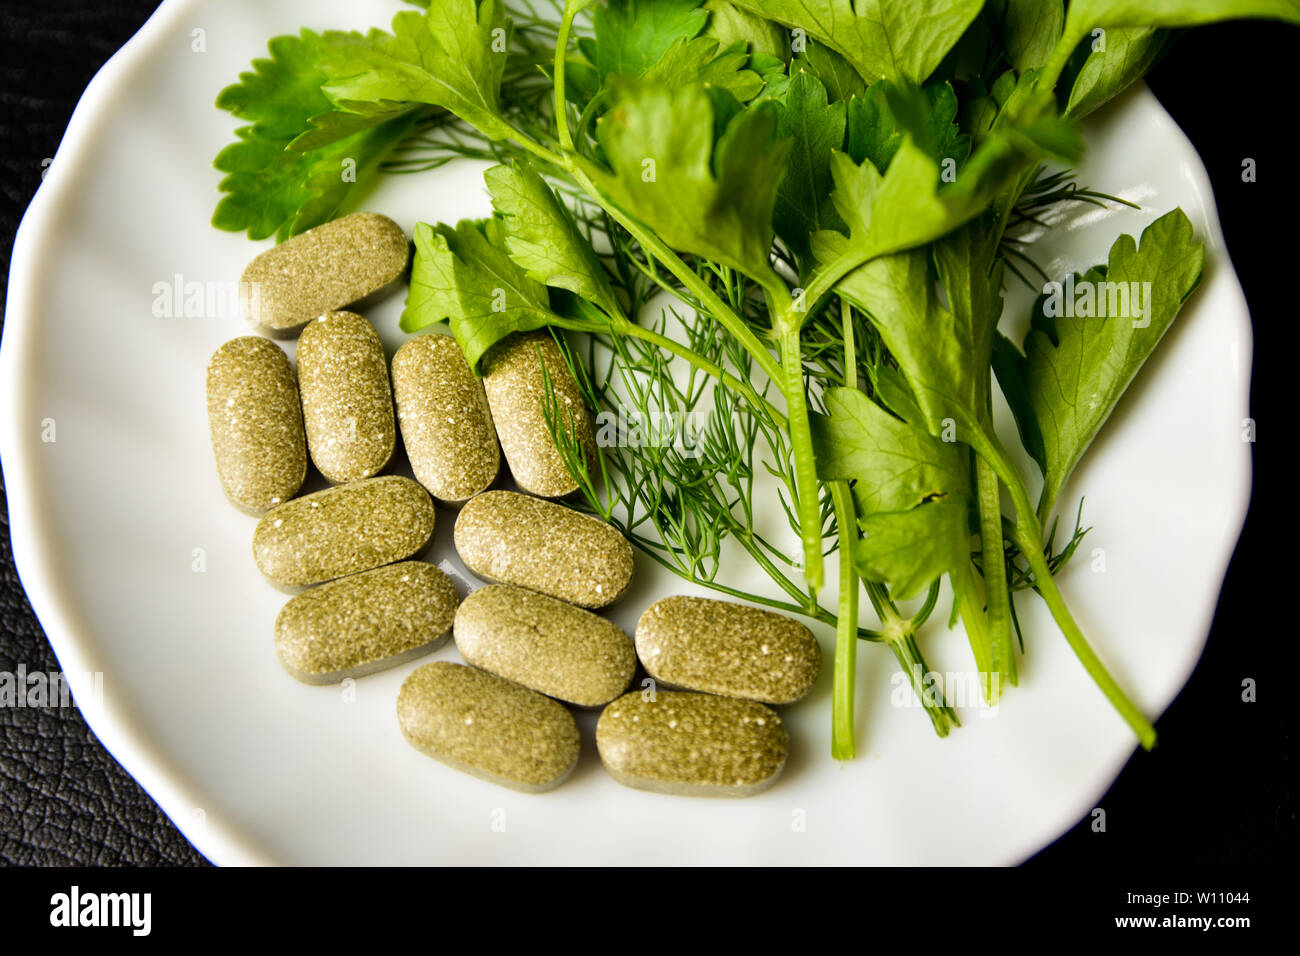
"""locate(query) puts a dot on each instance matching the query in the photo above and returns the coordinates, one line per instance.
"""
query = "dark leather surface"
(63, 799)
(1219, 789)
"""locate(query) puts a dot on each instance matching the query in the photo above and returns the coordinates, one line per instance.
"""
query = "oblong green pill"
(722, 647)
(445, 420)
(365, 622)
(509, 538)
(516, 391)
(256, 424)
(545, 644)
(343, 530)
(323, 269)
(347, 401)
(692, 744)
(488, 726)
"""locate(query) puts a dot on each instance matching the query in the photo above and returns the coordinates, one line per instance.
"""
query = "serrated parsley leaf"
(452, 56)
(543, 240)
(335, 125)
(730, 24)
(837, 75)
(909, 549)
(911, 491)
(708, 198)
(875, 133)
(815, 128)
(632, 35)
(465, 276)
(899, 40)
(273, 190)
(697, 62)
(943, 352)
(1130, 52)
(897, 465)
(902, 209)
(1079, 363)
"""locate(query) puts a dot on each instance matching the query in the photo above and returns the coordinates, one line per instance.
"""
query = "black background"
(1219, 788)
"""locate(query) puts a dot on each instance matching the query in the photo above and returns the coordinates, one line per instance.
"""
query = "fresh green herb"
(274, 188)
(1090, 336)
(788, 223)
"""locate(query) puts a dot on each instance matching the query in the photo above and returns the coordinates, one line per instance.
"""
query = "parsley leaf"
(452, 56)
(911, 492)
(943, 352)
(542, 238)
(712, 199)
(1029, 29)
(272, 187)
(730, 25)
(815, 129)
(465, 276)
(875, 133)
(899, 40)
(1077, 366)
(697, 63)
(909, 549)
(633, 35)
(837, 75)
(1087, 14)
(1130, 52)
(897, 465)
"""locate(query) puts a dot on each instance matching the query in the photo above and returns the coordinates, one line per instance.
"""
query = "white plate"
(255, 767)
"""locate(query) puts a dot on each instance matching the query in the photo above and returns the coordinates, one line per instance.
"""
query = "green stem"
(540, 151)
(625, 327)
(1031, 545)
(808, 506)
(561, 105)
(927, 606)
(846, 526)
(882, 603)
(971, 609)
(1029, 536)
(910, 659)
(1060, 58)
(995, 572)
(846, 642)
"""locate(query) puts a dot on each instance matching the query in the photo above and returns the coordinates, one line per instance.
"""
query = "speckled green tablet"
(256, 424)
(509, 538)
(365, 622)
(691, 744)
(323, 269)
(343, 530)
(347, 401)
(488, 726)
(446, 424)
(516, 391)
(543, 643)
(726, 648)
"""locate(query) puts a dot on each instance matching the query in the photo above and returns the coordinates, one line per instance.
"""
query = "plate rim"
(112, 724)
(115, 729)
